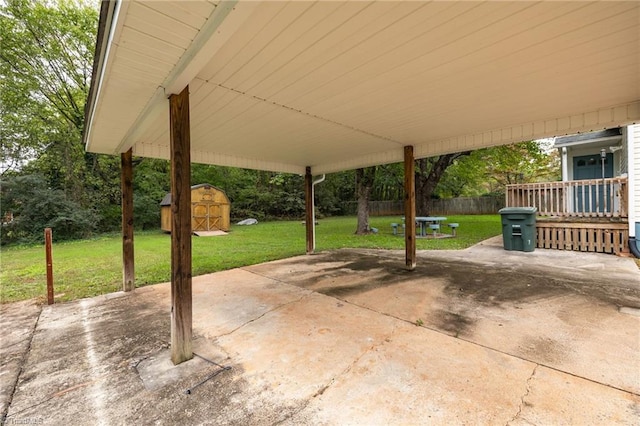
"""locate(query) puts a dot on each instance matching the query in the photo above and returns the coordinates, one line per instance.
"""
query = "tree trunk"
(364, 184)
(429, 171)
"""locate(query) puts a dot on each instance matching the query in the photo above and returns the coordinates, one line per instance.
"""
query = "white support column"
(633, 176)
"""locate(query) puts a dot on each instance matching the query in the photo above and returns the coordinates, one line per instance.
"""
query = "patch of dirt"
(455, 324)
(543, 349)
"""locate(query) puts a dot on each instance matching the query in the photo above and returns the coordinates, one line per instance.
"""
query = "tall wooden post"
(181, 305)
(308, 217)
(49, 259)
(126, 182)
(409, 208)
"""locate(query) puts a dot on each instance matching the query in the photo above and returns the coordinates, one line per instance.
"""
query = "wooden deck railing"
(576, 198)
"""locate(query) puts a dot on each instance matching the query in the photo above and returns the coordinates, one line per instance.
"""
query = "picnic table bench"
(434, 223)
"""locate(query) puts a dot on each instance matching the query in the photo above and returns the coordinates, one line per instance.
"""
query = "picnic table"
(425, 221)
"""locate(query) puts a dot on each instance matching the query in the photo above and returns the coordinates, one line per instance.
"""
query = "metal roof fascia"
(587, 141)
(587, 137)
(109, 10)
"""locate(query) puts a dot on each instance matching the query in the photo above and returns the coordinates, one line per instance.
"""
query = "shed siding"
(210, 210)
(165, 218)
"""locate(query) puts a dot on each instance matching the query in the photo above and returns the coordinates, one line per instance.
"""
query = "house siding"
(633, 133)
(622, 162)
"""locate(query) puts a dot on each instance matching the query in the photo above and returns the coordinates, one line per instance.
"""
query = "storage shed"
(210, 209)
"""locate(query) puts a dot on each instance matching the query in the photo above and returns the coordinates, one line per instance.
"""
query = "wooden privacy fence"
(449, 206)
(576, 198)
(376, 208)
(467, 205)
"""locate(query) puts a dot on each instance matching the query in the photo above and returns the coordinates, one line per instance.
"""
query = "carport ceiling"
(335, 86)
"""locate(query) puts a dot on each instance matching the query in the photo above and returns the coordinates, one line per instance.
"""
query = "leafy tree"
(365, 179)
(488, 170)
(335, 192)
(519, 163)
(464, 174)
(151, 182)
(429, 172)
(257, 194)
(389, 183)
(46, 56)
(464, 177)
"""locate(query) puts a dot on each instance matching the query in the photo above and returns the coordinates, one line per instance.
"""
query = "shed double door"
(206, 216)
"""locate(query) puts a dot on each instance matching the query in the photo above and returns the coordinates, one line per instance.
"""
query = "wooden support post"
(308, 217)
(181, 304)
(49, 259)
(409, 208)
(128, 271)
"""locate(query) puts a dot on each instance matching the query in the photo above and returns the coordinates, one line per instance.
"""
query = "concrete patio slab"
(556, 398)
(419, 376)
(18, 324)
(347, 337)
(527, 308)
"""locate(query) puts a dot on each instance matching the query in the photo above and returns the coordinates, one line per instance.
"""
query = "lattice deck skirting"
(591, 237)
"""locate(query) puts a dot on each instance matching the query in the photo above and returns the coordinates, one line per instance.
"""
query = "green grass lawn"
(91, 267)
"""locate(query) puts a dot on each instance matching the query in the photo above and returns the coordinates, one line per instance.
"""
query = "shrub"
(35, 207)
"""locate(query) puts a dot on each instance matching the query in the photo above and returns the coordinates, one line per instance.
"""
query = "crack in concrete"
(23, 360)
(344, 372)
(294, 413)
(263, 314)
(514, 355)
(524, 396)
(351, 365)
(246, 269)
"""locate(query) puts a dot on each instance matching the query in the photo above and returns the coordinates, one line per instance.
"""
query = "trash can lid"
(511, 210)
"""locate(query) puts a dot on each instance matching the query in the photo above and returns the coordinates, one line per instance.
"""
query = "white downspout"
(632, 133)
(631, 180)
(313, 207)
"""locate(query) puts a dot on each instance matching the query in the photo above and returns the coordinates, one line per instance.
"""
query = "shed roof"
(166, 201)
(340, 85)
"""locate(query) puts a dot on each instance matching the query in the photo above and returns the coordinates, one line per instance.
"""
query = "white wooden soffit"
(230, 22)
(585, 122)
(223, 22)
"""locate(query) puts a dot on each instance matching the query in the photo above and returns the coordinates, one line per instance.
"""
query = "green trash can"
(519, 228)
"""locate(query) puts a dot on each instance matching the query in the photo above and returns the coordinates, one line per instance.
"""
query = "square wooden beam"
(409, 207)
(128, 269)
(181, 303)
